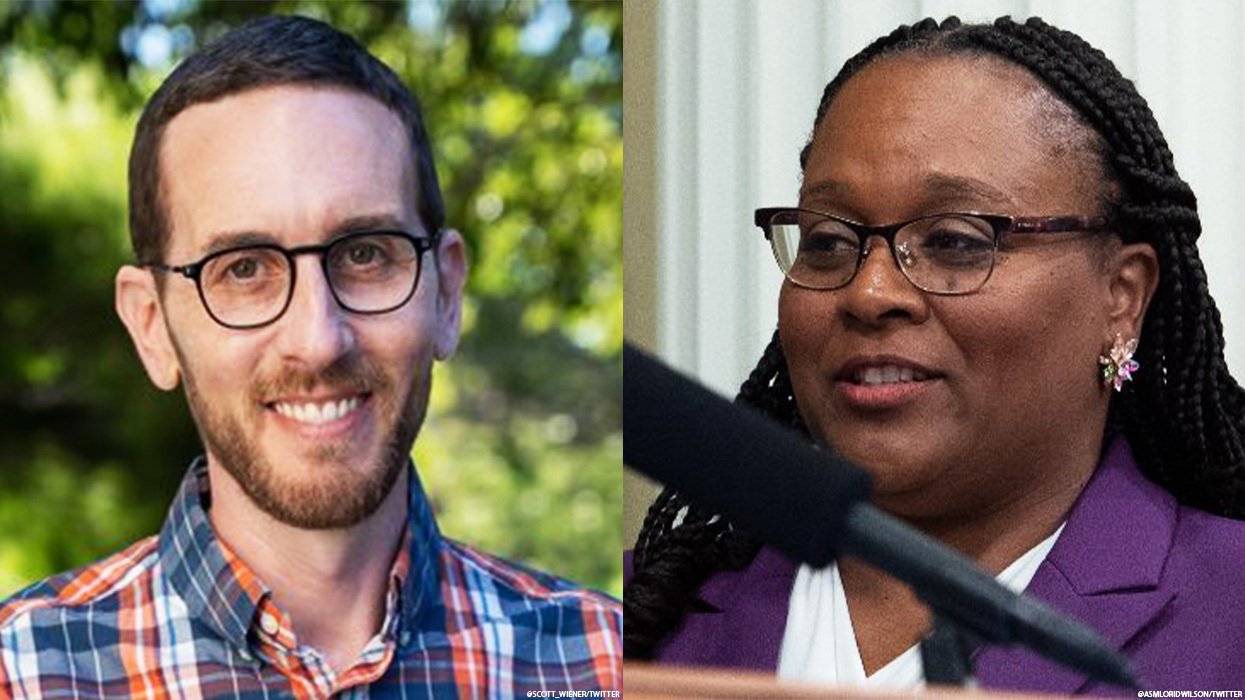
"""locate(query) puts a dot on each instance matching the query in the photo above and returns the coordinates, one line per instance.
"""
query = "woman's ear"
(138, 305)
(1134, 271)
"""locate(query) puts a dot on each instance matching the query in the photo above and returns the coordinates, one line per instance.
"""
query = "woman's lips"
(879, 383)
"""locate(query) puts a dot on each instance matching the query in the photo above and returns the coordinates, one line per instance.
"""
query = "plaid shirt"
(180, 616)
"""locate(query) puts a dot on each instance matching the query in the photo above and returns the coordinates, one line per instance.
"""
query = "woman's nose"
(880, 291)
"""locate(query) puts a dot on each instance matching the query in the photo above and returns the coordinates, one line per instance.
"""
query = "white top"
(819, 643)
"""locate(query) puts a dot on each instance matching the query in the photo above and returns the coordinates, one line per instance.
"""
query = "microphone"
(811, 504)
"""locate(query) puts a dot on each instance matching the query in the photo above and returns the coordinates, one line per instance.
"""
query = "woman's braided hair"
(1184, 415)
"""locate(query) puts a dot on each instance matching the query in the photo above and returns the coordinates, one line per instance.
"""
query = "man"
(296, 277)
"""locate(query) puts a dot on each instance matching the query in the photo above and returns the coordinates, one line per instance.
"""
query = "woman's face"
(958, 403)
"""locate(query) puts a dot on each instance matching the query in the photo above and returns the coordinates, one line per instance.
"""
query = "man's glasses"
(251, 286)
(941, 254)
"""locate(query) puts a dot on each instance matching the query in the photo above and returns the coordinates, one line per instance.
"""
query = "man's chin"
(327, 461)
(313, 479)
(320, 501)
(316, 487)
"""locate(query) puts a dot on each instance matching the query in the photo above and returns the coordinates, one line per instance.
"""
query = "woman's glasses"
(949, 254)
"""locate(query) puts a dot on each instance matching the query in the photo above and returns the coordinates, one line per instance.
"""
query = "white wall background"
(738, 86)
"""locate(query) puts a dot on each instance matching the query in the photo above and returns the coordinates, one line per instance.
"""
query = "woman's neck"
(888, 618)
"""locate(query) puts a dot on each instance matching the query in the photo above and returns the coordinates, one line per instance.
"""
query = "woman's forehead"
(934, 83)
(908, 122)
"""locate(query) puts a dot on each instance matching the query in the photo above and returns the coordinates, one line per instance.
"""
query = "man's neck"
(331, 583)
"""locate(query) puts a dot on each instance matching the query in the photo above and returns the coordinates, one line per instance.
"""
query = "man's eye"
(242, 269)
(364, 253)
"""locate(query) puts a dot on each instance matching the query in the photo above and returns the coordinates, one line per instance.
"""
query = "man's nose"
(315, 330)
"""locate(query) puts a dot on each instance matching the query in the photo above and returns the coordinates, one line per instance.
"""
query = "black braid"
(1184, 414)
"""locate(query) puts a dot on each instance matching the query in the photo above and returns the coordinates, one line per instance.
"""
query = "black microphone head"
(762, 477)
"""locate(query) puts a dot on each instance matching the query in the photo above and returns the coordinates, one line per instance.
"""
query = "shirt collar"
(420, 582)
(226, 597)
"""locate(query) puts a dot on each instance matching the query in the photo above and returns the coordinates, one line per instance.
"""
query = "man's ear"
(451, 262)
(1134, 277)
(138, 305)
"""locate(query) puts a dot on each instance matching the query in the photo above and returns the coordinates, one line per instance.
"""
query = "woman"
(994, 302)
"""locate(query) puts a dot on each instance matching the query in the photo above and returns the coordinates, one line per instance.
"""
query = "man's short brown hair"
(268, 51)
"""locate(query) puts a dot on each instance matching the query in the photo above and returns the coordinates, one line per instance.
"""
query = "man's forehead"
(283, 98)
(284, 160)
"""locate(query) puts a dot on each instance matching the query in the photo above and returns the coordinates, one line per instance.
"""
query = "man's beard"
(315, 504)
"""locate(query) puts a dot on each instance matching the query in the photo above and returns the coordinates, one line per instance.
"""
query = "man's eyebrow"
(237, 239)
(354, 224)
(369, 222)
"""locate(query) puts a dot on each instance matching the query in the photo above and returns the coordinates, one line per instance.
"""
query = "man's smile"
(318, 411)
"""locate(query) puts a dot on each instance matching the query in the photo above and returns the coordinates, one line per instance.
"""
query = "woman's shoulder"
(1124, 519)
(1207, 544)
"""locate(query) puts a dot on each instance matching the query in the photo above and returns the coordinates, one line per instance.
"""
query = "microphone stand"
(946, 654)
(968, 599)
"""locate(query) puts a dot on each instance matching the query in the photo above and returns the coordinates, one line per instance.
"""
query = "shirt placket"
(306, 670)
(380, 650)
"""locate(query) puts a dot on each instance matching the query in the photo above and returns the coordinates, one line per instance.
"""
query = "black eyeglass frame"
(1000, 224)
(194, 271)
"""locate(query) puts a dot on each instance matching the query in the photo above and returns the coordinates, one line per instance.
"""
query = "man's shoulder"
(85, 587)
(519, 585)
(547, 631)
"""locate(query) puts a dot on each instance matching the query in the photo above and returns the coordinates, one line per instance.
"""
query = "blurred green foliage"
(522, 448)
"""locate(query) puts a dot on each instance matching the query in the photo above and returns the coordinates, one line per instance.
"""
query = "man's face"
(313, 415)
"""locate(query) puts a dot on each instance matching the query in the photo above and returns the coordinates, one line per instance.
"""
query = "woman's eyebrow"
(825, 189)
(937, 188)
(942, 187)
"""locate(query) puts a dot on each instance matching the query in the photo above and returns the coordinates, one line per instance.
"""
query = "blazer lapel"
(1104, 570)
(744, 614)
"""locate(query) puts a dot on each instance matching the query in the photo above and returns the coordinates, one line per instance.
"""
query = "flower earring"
(1118, 365)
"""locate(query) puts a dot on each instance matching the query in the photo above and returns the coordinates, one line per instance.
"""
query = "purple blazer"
(1163, 583)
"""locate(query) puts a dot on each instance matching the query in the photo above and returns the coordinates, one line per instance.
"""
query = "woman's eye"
(828, 243)
(950, 241)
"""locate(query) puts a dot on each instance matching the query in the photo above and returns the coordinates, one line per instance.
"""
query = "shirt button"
(404, 639)
(268, 623)
(246, 655)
